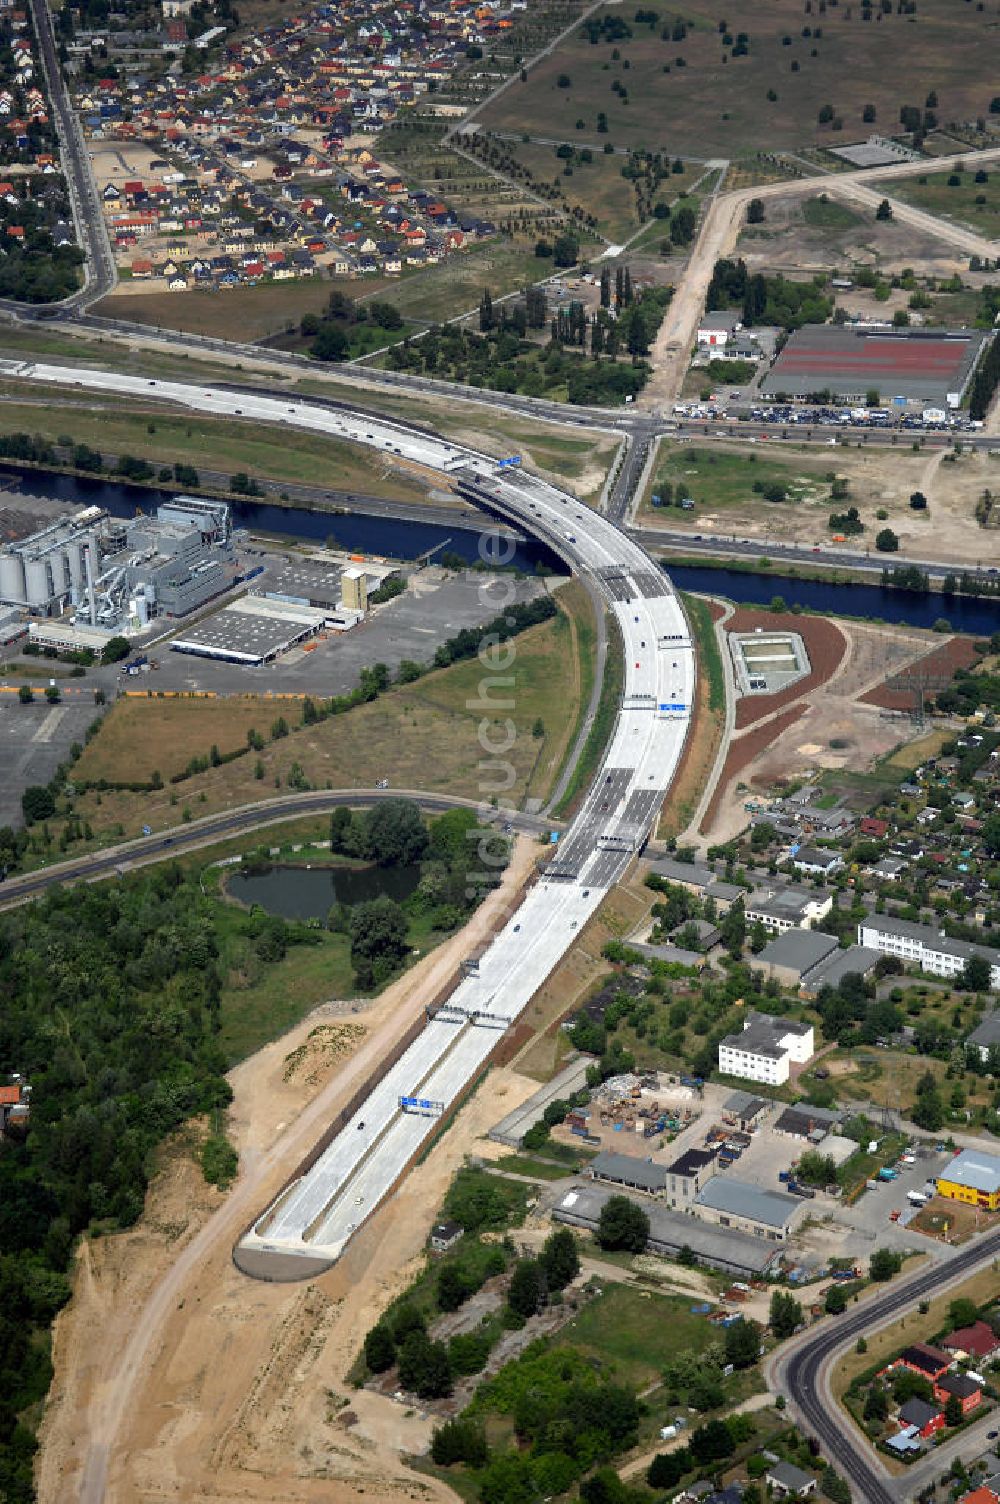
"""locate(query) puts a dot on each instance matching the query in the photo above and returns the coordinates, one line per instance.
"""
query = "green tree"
(340, 827)
(962, 1312)
(976, 974)
(560, 1259)
(884, 1263)
(527, 1293)
(907, 1385)
(876, 1403)
(990, 835)
(755, 211)
(622, 1224)
(37, 803)
(460, 1441)
(330, 344)
(712, 1442)
(379, 944)
(836, 1300)
(452, 1287)
(953, 1411)
(742, 1343)
(25, 694)
(785, 1314)
(833, 1487)
(884, 210)
(380, 1348)
(886, 541)
(424, 1366)
(395, 833)
(115, 649)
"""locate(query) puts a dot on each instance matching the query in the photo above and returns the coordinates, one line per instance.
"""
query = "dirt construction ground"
(833, 713)
(177, 1378)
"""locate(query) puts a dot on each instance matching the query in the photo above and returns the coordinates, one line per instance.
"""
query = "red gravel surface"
(744, 749)
(936, 669)
(825, 645)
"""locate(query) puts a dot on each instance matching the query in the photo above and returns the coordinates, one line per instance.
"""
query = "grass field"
(716, 103)
(718, 479)
(257, 312)
(957, 201)
(603, 723)
(824, 213)
(424, 735)
(68, 349)
(162, 438)
(707, 725)
(260, 1004)
(442, 292)
(636, 1330)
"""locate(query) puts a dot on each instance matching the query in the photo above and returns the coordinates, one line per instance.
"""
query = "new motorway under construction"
(308, 1225)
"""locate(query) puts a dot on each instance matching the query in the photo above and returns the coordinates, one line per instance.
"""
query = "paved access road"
(183, 839)
(802, 1374)
(100, 275)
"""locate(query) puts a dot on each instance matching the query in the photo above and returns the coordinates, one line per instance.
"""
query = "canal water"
(310, 892)
(355, 531)
(973, 614)
(360, 533)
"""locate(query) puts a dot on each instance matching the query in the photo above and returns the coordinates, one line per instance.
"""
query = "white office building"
(766, 1048)
(924, 946)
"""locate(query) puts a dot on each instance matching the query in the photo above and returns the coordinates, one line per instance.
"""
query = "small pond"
(310, 892)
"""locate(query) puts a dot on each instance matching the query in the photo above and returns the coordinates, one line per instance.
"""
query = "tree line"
(111, 1012)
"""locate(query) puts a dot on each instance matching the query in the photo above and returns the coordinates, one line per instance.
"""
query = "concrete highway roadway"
(211, 829)
(801, 1371)
(319, 1212)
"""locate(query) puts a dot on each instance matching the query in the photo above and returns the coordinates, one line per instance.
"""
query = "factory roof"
(974, 1170)
(683, 872)
(773, 1208)
(799, 950)
(690, 1162)
(987, 1033)
(830, 972)
(249, 630)
(627, 1169)
(921, 365)
(803, 1119)
(745, 1104)
(671, 1231)
(929, 937)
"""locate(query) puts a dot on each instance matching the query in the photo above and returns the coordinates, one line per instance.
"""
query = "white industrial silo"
(38, 582)
(12, 579)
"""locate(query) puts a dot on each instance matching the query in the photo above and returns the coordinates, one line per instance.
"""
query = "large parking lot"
(35, 739)
(435, 606)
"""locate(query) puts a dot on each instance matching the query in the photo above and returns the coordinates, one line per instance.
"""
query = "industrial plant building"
(118, 575)
(251, 631)
(908, 367)
(972, 1177)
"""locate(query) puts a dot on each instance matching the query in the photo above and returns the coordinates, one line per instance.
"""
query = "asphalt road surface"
(186, 838)
(802, 1374)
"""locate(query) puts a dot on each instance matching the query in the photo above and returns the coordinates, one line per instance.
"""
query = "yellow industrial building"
(972, 1178)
